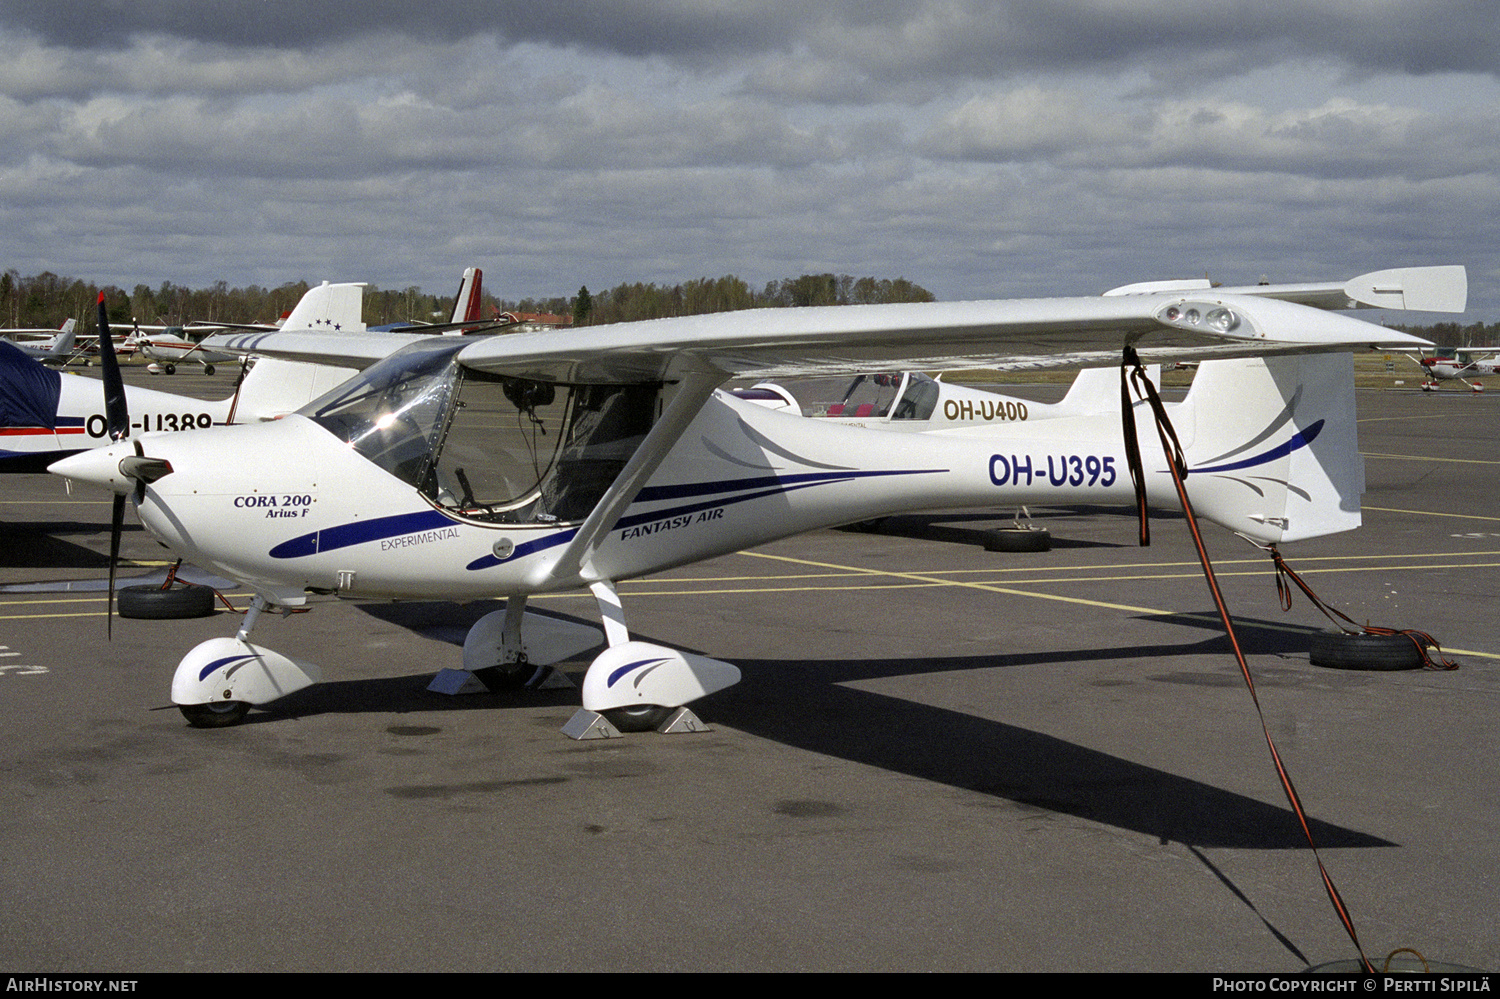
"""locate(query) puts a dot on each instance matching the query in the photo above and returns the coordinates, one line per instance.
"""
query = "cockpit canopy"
(489, 447)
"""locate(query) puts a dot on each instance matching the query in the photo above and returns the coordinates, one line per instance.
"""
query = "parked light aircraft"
(166, 347)
(45, 415)
(58, 347)
(913, 401)
(462, 468)
(1460, 365)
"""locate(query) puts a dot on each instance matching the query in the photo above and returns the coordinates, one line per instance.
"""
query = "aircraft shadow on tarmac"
(805, 703)
(41, 545)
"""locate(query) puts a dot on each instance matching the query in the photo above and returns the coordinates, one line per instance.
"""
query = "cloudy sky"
(982, 149)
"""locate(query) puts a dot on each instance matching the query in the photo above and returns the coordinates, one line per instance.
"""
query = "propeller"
(139, 467)
(117, 416)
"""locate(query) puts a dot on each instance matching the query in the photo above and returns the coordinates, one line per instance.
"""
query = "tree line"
(1455, 334)
(45, 300)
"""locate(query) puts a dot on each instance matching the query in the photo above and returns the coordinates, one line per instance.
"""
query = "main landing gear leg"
(218, 680)
(636, 686)
(512, 649)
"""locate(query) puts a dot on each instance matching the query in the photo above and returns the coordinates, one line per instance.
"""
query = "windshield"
(392, 411)
(485, 446)
(918, 400)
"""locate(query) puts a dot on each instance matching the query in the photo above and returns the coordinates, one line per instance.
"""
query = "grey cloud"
(928, 38)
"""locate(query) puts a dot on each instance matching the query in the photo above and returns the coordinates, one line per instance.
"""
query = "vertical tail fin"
(1094, 391)
(275, 387)
(470, 292)
(329, 308)
(1271, 445)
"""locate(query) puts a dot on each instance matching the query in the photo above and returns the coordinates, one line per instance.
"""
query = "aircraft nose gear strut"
(218, 680)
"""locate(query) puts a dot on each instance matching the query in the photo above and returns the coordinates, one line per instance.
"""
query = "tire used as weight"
(1340, 650)
(1017, 539)
(156, 604)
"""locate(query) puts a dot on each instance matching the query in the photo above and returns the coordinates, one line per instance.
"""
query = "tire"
(208, 369)
(219, 714)
(637, 718)
(1338, 650)
(1017, 539)
(170, 369)
(506, 676)
(156, 604)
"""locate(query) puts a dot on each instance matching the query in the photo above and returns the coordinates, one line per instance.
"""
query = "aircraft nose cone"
(98, 467)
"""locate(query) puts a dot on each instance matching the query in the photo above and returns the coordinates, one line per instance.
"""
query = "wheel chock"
(586, 724)
(456, 681)
(461, 681)
(682, 722)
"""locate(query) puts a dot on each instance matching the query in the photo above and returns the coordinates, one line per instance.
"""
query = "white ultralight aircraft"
(462, 468)
(166, 347)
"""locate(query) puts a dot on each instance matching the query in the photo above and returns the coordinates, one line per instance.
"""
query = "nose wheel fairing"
(232, 670)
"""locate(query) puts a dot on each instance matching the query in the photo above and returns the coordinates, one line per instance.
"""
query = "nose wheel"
(218, 714)
(637, 717)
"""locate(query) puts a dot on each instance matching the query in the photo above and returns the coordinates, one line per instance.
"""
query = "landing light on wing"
(1219, 319)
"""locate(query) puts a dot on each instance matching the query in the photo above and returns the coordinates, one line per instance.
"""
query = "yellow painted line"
(1428, 457)
(1104, 567)
(30, 617)
(666, 587)
(968, 585)
(1398, 419)
(1431, 513)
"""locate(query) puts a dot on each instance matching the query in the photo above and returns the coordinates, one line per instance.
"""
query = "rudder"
(1272, 447)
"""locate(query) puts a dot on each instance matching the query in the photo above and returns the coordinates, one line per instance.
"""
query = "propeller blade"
(115, 412)
(116, 524)
(117, 416)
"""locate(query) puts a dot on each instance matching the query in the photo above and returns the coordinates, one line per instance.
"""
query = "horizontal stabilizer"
(1415, 289)
(1423, 289)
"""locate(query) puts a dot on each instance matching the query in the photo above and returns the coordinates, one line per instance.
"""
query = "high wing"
(1010, 334)
(1004, 335)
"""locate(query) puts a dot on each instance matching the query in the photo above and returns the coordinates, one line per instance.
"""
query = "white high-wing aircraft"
(1458, 365)
(167, 348)
(58, 346)
(461, 468)
(45, 415)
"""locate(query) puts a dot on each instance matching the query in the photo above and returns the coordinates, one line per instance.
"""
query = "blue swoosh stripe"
(653, 493)
(619, 673)
(203, 674)
(357, 533)
(523, 549)
(694, 489)
(1298, 440)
